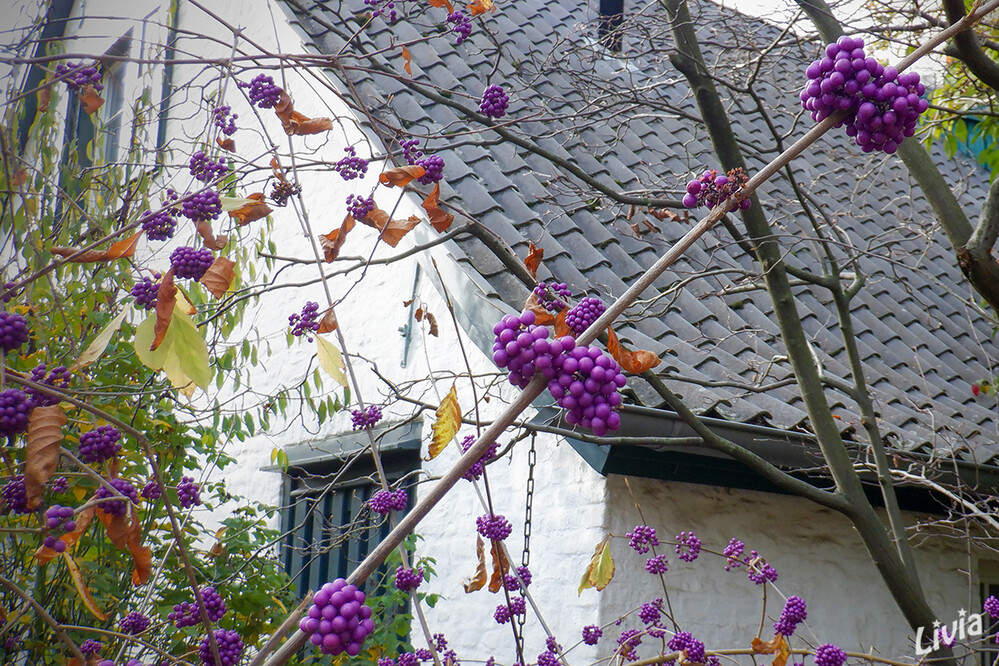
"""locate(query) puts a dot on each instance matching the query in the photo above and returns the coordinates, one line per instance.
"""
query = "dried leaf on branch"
(297, 124)
(90, 101)
(600, 570)
(212, 242)
(478, 579)
(533, 260)
(81, 587)
(635, 362)
(142, 557)
(501, 566)
(333, 242)
(42, 451)
(219, 276)
(251, 212)
(439, 219)
(407, 60)
(401, 176)
(392, 231)
(447, 423)
(123, 249)
(328, 323)
(442, 3)
(778, 647)
(228, 144)
(542, 317)
(477, 7)
(83, 519)
(166, 300)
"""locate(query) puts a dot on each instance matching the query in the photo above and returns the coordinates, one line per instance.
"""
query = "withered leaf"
(297, 124)
(44, 98)
(42, 452)
(407, 60)
(277, 170)
(478, 579)
(90, 100)
(542, 317)
(251, 212)
(328, 323)
(477, 7)
(600, 570)
(228, 143)
(635, 362)
(533, 260)
(778, 647)
(501, 565)
(142, 557)
(81, 587)
(218, 278)
(392, 231)
(447, 423)
(401, 176)
(212, 242)
(19, 177)
(439, 219)
(561, 328)
(333, 242)
(442, 3)
(166, 299)
(432, 320)
(118, 526)
(123, 249)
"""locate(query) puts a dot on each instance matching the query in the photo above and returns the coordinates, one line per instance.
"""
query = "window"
(327, 528)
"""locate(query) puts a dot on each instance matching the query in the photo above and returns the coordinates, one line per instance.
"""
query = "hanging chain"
(532, 457)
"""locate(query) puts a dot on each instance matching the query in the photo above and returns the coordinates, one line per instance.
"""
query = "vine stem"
(44, 614)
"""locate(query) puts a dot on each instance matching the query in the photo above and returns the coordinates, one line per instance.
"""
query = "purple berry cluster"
(188, 493)
(15, 495)
(205, 169)
(117, 507)
(408, 580)
(550, 295)
(583, 380)
(58, 520)
(230, 646)
(433, 165)
(351, 166)
(387, 501)
(59, 485)
(688, 546)
(205, 205)
(657, 564)
(494, 102)
(794, 613)
(478, 467)
(79, 76)
(628, 643)
(338, 621)
(133, 624)
(493, 526)
(592, 634)
(263, 92)
(306, 322)
(829, 655)
(13, 331)
(511, 583)
(882, 106)
(90, 647)
(991, 606)
(462, 26)
(160, 226)
(100, 444)
(223, 120)
(410, 150)
(710, 189)
(188, 262)
(504, 613)
(759, 571)
(733, 551)
(15, 408)
(651, 612)
(584, 313)
(380, 7)
(365, 418)
(548, 658)
(359, 207)
(186, 614)
(642, 538)
(147, 291)
(57, 378)
(683, 641)
(151, 491)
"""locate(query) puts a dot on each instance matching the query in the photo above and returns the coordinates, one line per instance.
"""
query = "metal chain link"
(532, 458)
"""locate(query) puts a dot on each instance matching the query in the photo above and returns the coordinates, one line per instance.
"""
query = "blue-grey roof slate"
(922, 338)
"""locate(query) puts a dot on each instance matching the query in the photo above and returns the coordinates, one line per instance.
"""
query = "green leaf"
(600, 570)
(331, 361)
(183, 354)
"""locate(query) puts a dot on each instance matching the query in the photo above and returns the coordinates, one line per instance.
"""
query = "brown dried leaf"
(477, 7)
(409, 302)
(439, 219)
(401, 176)
(635, 362)
(665, 214)
(81, 587)
(118, 527)
(166, 299)
(334, 240)
(297, 124)
(442, 3)
(418, 314)
(226, 144)
(219, 276)
(501, 566)
(542, 317)
(44, 98)
(212, 242)
(533, 260)
(90, 100)
(434, 331)
(778, 646)
(407, 60)
(217, 548)
(561, 328)
(478, 579)
(392, 231)
(328, 323)
(251, 212)
(277, 170)
(142, 557)
(123, 249)
(42, 452)
(19, 177)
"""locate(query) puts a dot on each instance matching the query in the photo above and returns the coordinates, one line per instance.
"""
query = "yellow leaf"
(600, 570)
(331, 361)
(182, 354)
(100, 343)
(81, 587)
(447, 423)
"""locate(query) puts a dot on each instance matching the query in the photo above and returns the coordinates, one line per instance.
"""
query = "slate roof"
(627, 122)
